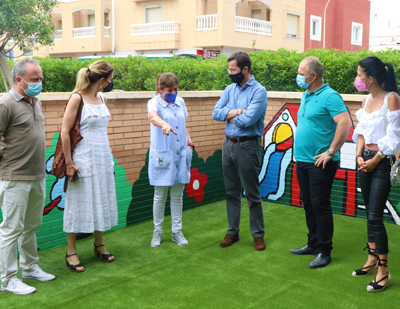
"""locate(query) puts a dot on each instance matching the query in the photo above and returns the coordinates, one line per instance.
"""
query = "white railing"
(207, 22)
(106, 32)
(85, 32)
(155, 28)
(251, 25)
(57, 35)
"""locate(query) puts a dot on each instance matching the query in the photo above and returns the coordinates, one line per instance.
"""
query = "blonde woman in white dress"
(91, 204)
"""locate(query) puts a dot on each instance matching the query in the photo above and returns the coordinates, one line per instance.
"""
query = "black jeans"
(315, 192)
(241, 166)
(375, 187)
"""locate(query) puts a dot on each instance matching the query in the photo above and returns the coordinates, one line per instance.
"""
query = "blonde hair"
(166, 80)
(86, 77)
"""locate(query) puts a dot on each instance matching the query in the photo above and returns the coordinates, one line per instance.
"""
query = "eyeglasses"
(232, 70)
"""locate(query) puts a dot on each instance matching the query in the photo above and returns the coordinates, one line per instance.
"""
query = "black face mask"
(109, 87)
(237, 78)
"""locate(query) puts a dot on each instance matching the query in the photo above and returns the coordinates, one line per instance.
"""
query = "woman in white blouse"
(378, 139)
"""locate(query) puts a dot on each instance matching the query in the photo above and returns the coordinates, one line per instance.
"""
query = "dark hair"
(373, 66)
(166, 80)
(242, 60)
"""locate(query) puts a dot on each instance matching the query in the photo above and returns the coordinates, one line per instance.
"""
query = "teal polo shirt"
(315, 125)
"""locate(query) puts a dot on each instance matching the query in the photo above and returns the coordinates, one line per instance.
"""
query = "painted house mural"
(278, 180)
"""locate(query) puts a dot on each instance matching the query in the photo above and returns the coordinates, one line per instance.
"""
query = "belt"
(241, 138)
(368, 152)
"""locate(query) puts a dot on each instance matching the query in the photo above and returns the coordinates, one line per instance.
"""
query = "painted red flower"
(196, 185)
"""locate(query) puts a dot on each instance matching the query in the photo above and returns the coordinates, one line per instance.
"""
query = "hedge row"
(276, 70)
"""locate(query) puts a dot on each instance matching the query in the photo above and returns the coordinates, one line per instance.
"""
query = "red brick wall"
(129, 131)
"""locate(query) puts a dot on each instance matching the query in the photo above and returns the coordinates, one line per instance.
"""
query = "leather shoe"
(321, 260)
(229, 240)
(259, 244)
(305, 250)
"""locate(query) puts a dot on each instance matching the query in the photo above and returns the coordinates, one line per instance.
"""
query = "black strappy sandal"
(367, 270)
(75, 266)
(374, 286)
(105, 257)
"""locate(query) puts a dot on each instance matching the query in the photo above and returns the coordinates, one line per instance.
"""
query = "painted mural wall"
(278, 181)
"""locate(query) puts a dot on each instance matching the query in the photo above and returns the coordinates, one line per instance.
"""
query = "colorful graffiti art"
(278, 181)
(206, 186)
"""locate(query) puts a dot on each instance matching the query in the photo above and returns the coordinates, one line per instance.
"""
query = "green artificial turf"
(202, 275)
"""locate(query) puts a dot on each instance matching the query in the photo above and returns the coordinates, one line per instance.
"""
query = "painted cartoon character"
(57, 195)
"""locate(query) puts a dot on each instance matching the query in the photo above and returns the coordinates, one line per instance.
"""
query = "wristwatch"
(330, 153)
(380, 153)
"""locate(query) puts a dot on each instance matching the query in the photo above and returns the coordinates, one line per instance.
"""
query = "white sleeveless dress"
(91, 202)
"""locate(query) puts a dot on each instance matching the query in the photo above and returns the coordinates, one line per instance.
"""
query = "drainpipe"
(113, 28)
(326, 6)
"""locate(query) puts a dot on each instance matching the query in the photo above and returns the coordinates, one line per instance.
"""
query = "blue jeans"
(315, 192)
(375, 187)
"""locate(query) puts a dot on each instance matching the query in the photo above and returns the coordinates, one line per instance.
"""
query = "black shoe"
(305, 250)
(321, 260)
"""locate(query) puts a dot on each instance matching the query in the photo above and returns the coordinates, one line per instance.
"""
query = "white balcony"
(155, 28)
(85, 32)
(207, 22)
(57, 35)
(106, 32)
(251, 25)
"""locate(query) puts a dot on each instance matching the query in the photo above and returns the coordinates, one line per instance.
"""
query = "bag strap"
(79, 112)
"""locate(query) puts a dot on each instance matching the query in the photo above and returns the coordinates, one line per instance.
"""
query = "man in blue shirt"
(323, 126)
(242, 106)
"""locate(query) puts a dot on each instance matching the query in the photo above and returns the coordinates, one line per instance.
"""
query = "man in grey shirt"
(22, 177)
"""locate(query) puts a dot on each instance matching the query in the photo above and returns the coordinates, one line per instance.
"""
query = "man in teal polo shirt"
(323, 126)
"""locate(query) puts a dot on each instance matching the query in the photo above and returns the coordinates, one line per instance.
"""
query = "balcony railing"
(57, 35)
(207, 22)
(155, 28)
(251, 25)
(106, 32)
(85, 32)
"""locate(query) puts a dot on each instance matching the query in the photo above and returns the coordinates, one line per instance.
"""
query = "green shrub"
(276, 70)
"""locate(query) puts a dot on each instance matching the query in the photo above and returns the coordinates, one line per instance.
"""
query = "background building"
(340, 24)
(385, 25)
(87, 28)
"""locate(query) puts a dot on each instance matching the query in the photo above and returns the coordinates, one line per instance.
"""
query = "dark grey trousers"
(241, 165)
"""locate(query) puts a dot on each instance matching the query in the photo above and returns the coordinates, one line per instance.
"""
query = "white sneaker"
(37, 274)
(156, 240)
(179, 239)
(16, 286)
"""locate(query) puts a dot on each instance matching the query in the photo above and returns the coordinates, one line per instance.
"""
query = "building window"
(356, 33)
(29, 52)
(256, 14)
(292, 26)
(315, 28)
(106, 19)
(91, 20)
(154, 15)
(10, 54)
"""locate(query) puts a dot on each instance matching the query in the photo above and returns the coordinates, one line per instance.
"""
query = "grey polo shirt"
(23, 145)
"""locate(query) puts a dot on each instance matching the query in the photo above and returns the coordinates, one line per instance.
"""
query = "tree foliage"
(24, 24)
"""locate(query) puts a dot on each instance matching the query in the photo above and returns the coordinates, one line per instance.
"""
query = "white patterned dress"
(91, 203)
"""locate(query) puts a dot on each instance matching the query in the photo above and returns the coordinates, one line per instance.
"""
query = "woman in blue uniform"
(171, 152)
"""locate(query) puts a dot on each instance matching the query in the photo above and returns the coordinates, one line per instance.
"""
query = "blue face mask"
(171, 97)
(301, 81)
(33, 90)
